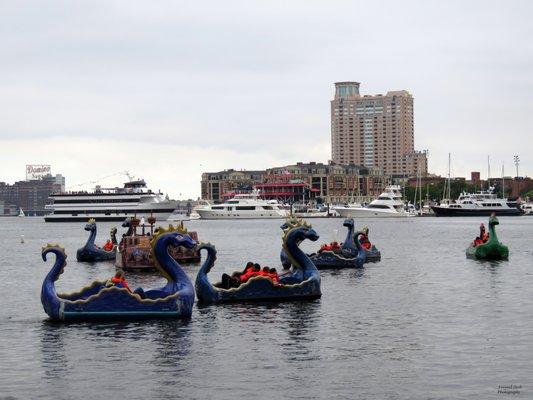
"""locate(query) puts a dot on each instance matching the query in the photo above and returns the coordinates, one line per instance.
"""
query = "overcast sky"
(168, 90)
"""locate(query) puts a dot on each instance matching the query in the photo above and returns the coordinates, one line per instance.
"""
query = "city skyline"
(170, 92)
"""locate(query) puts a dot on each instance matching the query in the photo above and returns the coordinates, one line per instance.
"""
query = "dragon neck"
(348, 242)
(55, 271)
(209, 261)
(169, 267)
(91, 239)
(493, 238)
(294, 253)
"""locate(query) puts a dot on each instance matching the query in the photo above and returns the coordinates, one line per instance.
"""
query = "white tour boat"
(116, 204)
(243, 206)
(389, 204)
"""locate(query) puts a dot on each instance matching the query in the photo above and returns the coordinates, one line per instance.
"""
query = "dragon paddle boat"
(99, 300)
(303, 283)
(91, 252)
(351, 254)
(492, 248)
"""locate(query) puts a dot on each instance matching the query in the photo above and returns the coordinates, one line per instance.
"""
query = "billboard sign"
(37, 171)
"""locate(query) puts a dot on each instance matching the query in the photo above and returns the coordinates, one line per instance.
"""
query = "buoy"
(21, 238)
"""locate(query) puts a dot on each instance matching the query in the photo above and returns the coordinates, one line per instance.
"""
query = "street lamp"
(516, 162)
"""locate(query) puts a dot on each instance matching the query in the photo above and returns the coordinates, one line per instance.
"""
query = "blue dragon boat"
(100, 301)
(350, 255)
(303, 283)
(91, 252)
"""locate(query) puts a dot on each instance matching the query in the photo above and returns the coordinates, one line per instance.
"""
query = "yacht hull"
(368, 213)
(159, 216)
(208, 214)
(465, 212)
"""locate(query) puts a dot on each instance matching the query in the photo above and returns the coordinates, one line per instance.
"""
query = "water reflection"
(173, 344)
(54, 360)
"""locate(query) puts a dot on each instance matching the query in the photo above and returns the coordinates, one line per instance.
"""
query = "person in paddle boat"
(233, 280)
(119, 280)
(108, 246)
(363, 239)
(483, 236)
(329, 247)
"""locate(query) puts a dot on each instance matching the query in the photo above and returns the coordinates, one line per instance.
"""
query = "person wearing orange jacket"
(108, 246)
(254, 271)
(119, 281)
(273, 274)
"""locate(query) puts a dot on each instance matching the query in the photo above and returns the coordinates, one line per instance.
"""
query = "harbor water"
(424, 323)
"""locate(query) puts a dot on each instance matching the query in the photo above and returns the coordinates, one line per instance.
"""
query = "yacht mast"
(503, 181)
(449, 194)
(488, 173)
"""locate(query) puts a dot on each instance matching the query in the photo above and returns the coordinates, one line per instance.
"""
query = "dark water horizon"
(424, 323)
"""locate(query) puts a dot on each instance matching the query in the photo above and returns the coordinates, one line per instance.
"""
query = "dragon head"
(179, 237)
(59, 251)
(170, 236)
(300, 229)
(91, 224)
(493, 220)
(348, 223)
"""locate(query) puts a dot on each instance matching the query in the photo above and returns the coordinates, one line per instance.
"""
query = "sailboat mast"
(449, 177)
(503, 181)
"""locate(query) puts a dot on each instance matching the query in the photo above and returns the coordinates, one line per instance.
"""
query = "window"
(240, 208)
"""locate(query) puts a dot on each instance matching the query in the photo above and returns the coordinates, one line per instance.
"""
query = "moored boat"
(389, 204)
(243, 206)
(110, 204)
(482, 203)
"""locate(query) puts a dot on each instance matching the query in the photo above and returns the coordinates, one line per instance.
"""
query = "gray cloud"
(257, 77)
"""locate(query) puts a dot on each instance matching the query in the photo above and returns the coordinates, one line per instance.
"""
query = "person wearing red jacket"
(119, 281)
(108, 246)
(273, 274)
(254, 271)
(233, 281)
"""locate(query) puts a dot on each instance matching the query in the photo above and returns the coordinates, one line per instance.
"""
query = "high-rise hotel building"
(375, 131)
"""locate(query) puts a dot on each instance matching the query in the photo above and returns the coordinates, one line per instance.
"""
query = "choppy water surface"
(423, 323)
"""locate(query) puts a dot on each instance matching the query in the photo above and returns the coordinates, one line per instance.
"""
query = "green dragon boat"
(492, 249)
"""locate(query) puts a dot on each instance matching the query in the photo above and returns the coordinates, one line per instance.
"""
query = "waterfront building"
(32, 195)
(7, 210)
(375, 131)
(331, 183)
(220, 185)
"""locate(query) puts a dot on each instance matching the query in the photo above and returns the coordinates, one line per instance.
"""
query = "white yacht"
(309, 211)
(482, 203)
(389, 204)
(528, 208)
(243, 206)
(116, 204)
